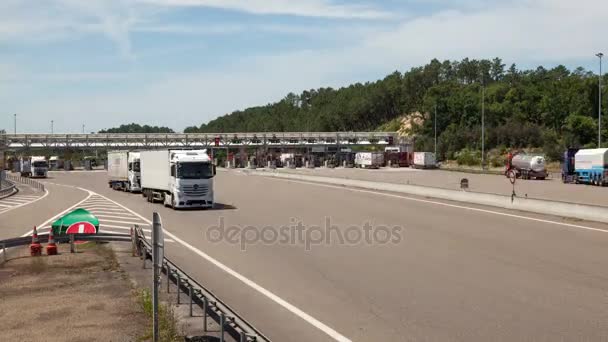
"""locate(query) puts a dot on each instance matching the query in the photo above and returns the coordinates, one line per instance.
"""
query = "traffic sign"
(81, 228)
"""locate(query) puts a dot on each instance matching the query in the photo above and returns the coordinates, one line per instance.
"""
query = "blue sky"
(178, 63)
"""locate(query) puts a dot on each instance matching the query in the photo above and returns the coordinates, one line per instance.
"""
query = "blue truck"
(588, 166)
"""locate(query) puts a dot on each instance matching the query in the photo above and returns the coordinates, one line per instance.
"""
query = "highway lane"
(455, 274)
(18, 220)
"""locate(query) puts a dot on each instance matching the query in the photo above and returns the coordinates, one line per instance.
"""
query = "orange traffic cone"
(35, 247)
(51, 247)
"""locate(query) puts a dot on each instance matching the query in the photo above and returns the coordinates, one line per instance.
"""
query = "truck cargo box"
(425, 160)
(155, 169)
(118, 166)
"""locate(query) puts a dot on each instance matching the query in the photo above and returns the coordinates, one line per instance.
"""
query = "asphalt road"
(551, 189)
(453, 275)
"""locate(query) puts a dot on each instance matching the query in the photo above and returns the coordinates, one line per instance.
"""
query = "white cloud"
(307, 8)
(521, 31)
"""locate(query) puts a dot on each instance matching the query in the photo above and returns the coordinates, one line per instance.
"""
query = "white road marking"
(114, 216)
(118, 221)
(46, 193)
(487, 211)
(293, 309)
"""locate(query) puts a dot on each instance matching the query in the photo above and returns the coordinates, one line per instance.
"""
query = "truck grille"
(195, 190)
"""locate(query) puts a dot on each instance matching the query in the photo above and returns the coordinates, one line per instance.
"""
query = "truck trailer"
(369, 160)
(124, 171)
(526, 166)
(178, 178)
(589, 166)
(424, 160)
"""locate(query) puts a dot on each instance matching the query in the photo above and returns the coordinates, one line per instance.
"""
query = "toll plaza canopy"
(79, 221)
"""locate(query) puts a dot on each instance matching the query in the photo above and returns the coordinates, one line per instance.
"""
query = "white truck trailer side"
(35, 166)
(178, 178)
(369, 160)
(424, 160)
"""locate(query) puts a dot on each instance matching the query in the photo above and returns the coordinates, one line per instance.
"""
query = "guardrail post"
(190, 290)
(243, 337)
(205, 314)
(177, 283)
(72, 245)
(133, 243)
(168, 279)
(222, 326)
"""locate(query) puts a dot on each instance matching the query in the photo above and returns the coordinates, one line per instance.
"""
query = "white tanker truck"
(526, 166)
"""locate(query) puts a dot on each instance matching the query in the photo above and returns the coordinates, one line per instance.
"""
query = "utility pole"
(15, 121)
(52, 128)
(599, 112)
(483, 128)
(435, 131)
(82, 128)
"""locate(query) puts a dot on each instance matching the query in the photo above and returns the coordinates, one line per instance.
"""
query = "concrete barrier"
(547, 207)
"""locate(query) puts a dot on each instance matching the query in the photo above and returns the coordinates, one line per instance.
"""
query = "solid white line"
(450, 205)
(303, 315)
(46, 193)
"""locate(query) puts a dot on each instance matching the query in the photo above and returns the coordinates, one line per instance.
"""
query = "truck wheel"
(172, 201)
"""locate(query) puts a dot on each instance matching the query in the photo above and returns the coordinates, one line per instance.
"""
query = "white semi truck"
(124, 171)
(178, 178)
(35, 166)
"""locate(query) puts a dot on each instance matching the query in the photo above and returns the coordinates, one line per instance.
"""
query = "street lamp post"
(52, 128)
(599, 112)
(435, 131)
(483, 127)
(15, 121)
(82, 128)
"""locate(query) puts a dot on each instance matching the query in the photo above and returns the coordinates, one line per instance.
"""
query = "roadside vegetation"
(166, 318)
(546, 110)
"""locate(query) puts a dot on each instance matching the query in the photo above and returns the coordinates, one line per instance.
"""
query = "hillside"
(543, 108)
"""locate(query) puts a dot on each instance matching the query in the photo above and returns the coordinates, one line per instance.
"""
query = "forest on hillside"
(136, 128)
(547, 109)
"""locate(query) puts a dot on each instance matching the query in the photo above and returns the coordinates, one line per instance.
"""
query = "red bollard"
(51, 247)
(35, 247)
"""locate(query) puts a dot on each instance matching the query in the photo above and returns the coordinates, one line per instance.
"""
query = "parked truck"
(178, 178)
(124, 171)
(35, 166)
(424, 160)
(369, 160)
(588, 166)
(526, 166)
(55, 163)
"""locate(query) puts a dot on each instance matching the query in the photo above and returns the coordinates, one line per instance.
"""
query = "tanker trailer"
(526, 166)
(591, 166)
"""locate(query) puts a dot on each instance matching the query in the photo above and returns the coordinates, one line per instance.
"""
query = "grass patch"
(166, 318)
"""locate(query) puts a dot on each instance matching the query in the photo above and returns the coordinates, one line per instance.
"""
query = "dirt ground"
(68, 297)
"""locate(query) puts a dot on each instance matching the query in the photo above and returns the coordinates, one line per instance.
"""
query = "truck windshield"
(194, 170)
(40, 164)
(136, 166)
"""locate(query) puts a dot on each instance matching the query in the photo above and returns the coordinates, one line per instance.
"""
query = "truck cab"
(191, 181)
(40, 167)
(134, 174)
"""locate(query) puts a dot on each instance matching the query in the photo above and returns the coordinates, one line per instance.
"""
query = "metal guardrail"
(229, 321)
(24, 180)
(6, 187)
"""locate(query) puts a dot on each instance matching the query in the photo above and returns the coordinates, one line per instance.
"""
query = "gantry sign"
(18, 142)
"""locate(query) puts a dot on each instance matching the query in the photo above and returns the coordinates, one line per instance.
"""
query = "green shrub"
(468, 157)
